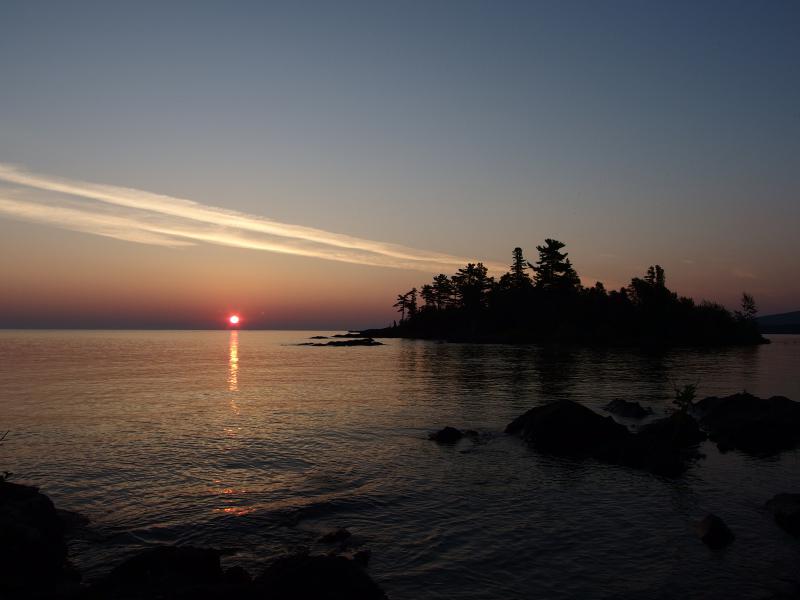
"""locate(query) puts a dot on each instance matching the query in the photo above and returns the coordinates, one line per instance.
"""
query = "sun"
(233, 319)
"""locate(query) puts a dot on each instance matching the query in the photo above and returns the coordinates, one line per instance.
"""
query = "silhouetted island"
(553, 306)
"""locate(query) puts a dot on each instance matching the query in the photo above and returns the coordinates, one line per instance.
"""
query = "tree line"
(544, 301)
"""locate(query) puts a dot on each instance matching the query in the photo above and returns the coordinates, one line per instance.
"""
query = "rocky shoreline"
(34, 564)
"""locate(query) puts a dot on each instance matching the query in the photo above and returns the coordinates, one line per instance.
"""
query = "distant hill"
(783, 323)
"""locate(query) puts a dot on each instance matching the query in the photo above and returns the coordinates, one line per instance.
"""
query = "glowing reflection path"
(233, 363)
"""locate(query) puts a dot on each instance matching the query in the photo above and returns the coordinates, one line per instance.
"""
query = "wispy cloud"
(145, 217)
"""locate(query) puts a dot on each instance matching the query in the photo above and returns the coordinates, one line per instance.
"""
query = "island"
(545, 302)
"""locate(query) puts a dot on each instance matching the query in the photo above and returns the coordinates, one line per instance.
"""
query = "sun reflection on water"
(233, 363)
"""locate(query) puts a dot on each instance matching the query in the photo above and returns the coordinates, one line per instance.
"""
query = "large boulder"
(33, 553)
(786, 510)
(679, 430)
(754, 425)
(666, 446)
(628, 409)
(566, 427)
(319, 577)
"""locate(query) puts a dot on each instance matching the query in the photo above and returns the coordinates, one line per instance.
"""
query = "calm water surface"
(248, 443)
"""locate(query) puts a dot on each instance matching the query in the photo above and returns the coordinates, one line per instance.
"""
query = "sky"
(166, 164)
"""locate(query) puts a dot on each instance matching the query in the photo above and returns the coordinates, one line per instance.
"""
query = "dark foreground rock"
(163, 571)
(318, 577)
(760, 426)
(184, 573)
(714, 532)
(33, 553)
(629, 410)
(666, 446)
(786, 510)
(33, 565)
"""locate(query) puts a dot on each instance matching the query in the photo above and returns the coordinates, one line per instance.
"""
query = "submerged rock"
(786, 510)
(714, 532)
(318, 577)
(751, 424)
(33, 553)
(630, 410)
(447, 435)
(335, 536)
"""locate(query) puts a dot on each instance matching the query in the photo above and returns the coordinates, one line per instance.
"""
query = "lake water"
(248, 443)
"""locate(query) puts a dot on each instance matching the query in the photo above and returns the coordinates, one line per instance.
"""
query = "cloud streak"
(145, 217)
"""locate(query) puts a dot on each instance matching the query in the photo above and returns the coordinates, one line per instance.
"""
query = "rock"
(664, 447)
(319, 577)
(567, 427)
(347, 342)
(335, 536)
(163, 570)
(318, 337)
(362, 557)
(72, 521)
(786, 510)
(33, 553)
(448, 435)
(751, 424)
(678, 430)
(713, 532)
(630, 410)
(237, 576)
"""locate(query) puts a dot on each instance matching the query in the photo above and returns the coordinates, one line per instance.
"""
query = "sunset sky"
(301, 164)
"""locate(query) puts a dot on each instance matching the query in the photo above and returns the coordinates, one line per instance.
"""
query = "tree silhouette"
(471, 284)
(554, 269)
(748, 312)
(412, 302)
(516, 278)
(428, 296)
(402, 305)
(443, 291)
(655, 276)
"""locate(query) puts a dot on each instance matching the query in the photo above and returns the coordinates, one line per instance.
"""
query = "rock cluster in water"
(665, 446)
(346, 342)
